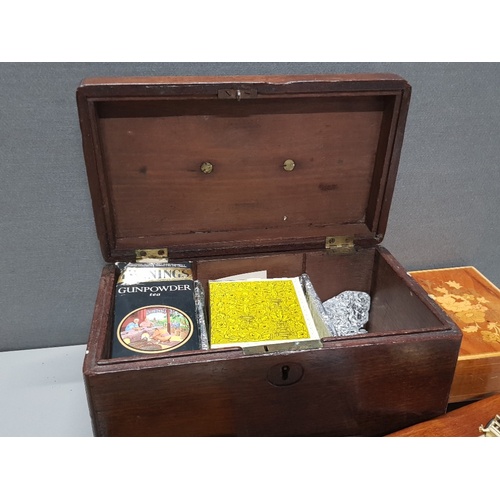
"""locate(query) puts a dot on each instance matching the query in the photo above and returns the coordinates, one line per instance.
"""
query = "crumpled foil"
(344, 314)
(348, 312)
(199, 300)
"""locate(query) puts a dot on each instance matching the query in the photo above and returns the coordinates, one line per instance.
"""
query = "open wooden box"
(291, 174)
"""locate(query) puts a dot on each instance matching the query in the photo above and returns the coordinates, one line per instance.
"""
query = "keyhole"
(282, 375)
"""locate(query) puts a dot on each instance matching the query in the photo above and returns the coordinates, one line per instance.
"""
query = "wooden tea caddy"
(293, 174)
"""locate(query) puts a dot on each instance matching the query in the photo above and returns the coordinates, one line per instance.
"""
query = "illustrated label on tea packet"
(154, 309)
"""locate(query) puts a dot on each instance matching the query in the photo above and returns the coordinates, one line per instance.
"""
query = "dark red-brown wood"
(396, 375)
(144, 144)
(144, 141)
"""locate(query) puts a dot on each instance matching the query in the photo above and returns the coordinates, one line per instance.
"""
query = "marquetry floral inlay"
(468, 310)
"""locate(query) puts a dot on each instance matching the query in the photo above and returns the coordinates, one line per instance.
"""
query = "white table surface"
(42, 393)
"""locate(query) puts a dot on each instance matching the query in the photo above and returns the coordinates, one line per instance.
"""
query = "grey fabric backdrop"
(444, 213)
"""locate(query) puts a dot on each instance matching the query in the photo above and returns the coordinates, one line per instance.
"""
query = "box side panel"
(398, 302)
(475, 378)
(97, 344)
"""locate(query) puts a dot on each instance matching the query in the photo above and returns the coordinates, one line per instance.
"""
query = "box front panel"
(358, 390)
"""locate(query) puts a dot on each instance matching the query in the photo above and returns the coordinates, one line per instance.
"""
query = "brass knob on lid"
(289, 165)
(206, 167)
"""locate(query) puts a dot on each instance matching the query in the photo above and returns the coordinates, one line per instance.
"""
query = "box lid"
(231, 165)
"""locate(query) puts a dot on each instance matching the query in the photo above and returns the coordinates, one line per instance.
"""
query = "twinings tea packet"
(155, 309)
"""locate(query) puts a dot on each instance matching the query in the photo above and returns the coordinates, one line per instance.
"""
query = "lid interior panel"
(149, 152)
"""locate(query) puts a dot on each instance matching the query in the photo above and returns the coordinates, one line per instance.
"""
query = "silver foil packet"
(345, 314)
(348, 312)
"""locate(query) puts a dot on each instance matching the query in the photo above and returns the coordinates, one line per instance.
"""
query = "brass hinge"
(151, 254)
(340, 244)
(237, 94)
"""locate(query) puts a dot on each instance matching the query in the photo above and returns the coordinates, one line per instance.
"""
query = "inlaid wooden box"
(473, 302)
(293, 174)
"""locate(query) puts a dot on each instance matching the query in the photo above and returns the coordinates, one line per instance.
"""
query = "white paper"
(257, 275)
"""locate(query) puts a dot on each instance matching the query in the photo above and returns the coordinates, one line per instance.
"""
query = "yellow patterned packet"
(259, 312)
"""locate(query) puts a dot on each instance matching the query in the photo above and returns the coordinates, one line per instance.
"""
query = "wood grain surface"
(145, 141)
(473, 302)
(463, 422)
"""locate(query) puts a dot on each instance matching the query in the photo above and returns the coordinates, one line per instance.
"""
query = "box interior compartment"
(396, 308)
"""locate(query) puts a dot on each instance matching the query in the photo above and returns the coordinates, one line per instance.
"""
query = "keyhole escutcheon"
(285, 374)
